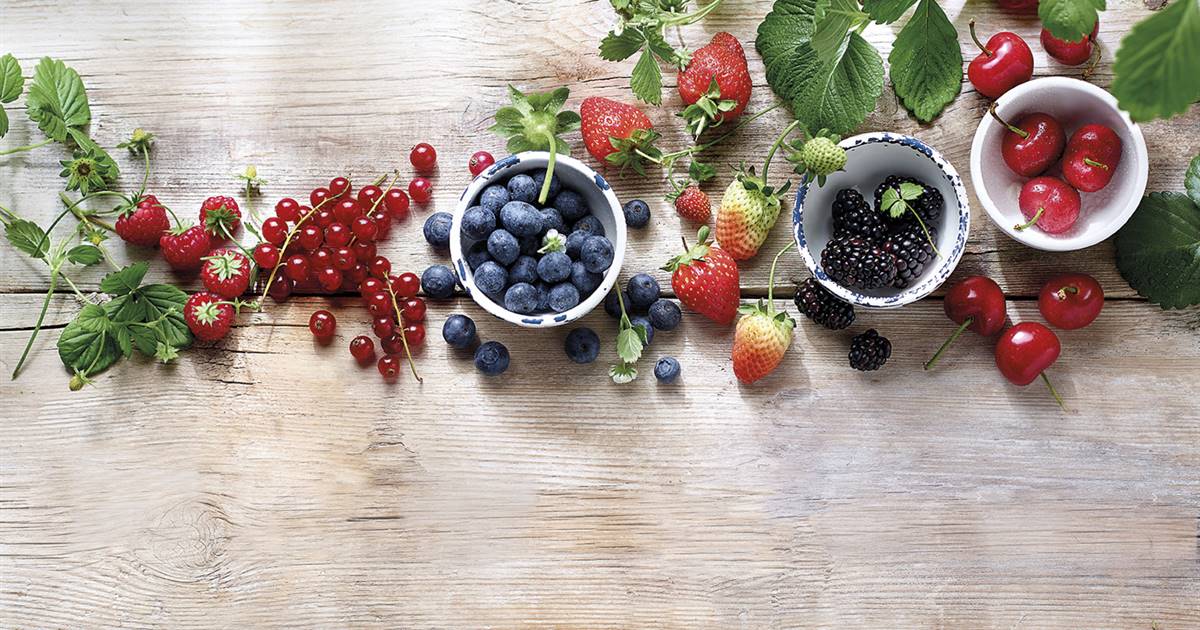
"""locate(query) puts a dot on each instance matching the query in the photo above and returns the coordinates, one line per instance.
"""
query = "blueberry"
(637, 213)
(521, 219)
(539, 178)
(437, 229)
(552, 220)
(554, 267)
(563, 297)
(494, 197)
(612, 306)
(640, 320)
(543, 304)
(522, 188)
(575, 243)
(522, 298)
(582, 345)
(492, 279)
(583, 279)
(666, 370)
(665, 315)
(589, 224)
(491, 358)
(477, 255)
(530, 245)
(597, 254)
(643, 290)
(478, 222)
(523, 270)
(459, 331)
(438, 282)
(503, 247)
(570, 205)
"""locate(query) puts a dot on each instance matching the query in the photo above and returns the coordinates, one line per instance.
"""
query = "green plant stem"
(549, 167)
(73, 208)
(1053, 392)
(775, 147)
(37, 326)
(1031, 222)
(145, 172)
(28, 147)
(771, 278)
(946, 344)
(674, 155)
(693, 17)
(79, 294)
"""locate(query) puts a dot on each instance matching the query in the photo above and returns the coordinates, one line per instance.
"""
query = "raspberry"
(184, 247)
(220, 216)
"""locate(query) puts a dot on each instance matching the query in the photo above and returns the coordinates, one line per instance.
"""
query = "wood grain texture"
(265, 481)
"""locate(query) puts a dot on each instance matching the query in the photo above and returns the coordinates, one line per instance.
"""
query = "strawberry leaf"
(1069, 20)
(926, 62)
(616, 47)
(630, 341)
(57, 100)
(1191, 180)
(11, 81)
(88, 345)
(1158, 250)
(28, 237)
(830, 30)
(886, 11)
(646, 80)
(126, 280)
(1155, 71)
(85, 255)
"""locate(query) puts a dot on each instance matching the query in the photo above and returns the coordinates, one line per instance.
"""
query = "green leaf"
(886, 11)
(617, 47)
(701, 172)
(629, 343)
(11, 81)
(85, 255)
(105, 163)
(1191, 180)
(910, 191)
(837, 95)
(830, 31)
(167, 302)
(27, 237)
(1156, 69)
(126, 280)
(1158, 250)
(57, 100)
(144, 338)
(646, 80)
(1070, 20)
(3, 122)
(88, 345)
(926, 62)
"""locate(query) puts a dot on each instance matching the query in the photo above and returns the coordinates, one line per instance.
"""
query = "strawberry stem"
(971, 27)
(549, 166)
(37, 326)
(1053, 392)
(28, 147)
(771, 281)
(946, 344)
(775, 147)
(1031, 222)
(1012, 128)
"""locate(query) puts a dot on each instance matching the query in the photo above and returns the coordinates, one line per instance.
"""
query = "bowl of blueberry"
(889, 228)
(534, 261)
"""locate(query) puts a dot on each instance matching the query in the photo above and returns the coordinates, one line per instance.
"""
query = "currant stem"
(28, 147)
(971, 27)
(946, 344)
(1031, 222)
(1012, 128)
(1053, 392)
(1091, 162)
(400, 318)
(549, 167)
(287, 241)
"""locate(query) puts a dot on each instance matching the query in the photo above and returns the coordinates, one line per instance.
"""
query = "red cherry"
(1019, 6)
(364, 252)
(266, 255)
(421, 190)
(380, 267)
(369, 196)
(371, 285)
(318, 196)
(413, 310)
(406, 285)
(346, 211)
(297, 268)
(288, 210)
(389, 367)
(383, 326)
(1070, 301)
(339, 186)
(1006, 61)
(974, 303)
(329, 278)
(423, 157)
(379, 303)
(362, 349)
(1049, 203)
(337, 235)
(396, 203)
(1070, 53)
(1032, 145)
(479, 162)
(274, 231)
(1025, 351)
(1093, 153)
(322, 325)
(281, 287)
(365, 229)
(392, 344)
(343, 259)
(310, 237)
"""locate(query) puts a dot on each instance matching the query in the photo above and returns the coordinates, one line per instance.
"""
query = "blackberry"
(853, 216)
(928, 206)
(912, 252)
(869, 351)
(856, 263)
(821, 306)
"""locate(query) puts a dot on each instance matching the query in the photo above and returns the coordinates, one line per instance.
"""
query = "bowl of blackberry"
(889, 228)
(535, 253)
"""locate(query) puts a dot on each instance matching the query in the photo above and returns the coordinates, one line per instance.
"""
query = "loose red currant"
(354, 275)
(288, 210)
(369, 196)
(421, 190)
(369, 286)
(266, 255)
(297, 268)
(396, 203)
(321, 258)
(413, 310)
(406, 285)
(480, 161)
(389, 367)
(383, 326)
(423, 157)
(379, 303)
(392, 344)
(337, 235)
(380, 267)
(363, 251)
(343, 259)
(329, 278)
(324, 218)
(322, 325)
(414, 334)
(310, 237)
(281, 288)
(362, 349)
(338, 186)
(317, 196)
(365, 229)
(274, 231)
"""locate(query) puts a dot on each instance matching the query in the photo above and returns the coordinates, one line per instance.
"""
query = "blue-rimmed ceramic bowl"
(870, 158)
(574, 175)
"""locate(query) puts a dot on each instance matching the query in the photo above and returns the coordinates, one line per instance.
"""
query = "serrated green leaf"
(839, 17)
(837, 95)
(616, 47)
(11, 81)
(1070, 20)
(1156, 69)
(701, 172)
(144, 339)
(568, 122)
(28, 237)
(105, 163)
(646, 80)
(910, 191)
(926, 62)
(85, 255)
(57, 100)
(629, 343)
(886, 11)
(1191, 180)
(1158, 250)
(3, 122)
(124, 340)
(661, 49)
(126, 280)
(88, 344)
(167, 302)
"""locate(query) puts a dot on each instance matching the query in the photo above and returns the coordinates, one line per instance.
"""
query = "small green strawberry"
(818, 157)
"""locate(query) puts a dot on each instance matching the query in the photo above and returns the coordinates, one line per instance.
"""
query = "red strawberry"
(705, 279)
(762, 336)
(226, 272)
(693, 205)
(144, 224)
(220, 216)
(184, 247)
(716, 83)
(615, 132)
(207, 316)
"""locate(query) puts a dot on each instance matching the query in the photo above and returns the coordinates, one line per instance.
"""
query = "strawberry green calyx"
(139, 142)
(553, 242)
(225, 265)
(533, 123)
(707, 111)
(635, 151)
(695, 253)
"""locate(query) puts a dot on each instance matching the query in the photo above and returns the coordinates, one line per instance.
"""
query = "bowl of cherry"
(1057, 165)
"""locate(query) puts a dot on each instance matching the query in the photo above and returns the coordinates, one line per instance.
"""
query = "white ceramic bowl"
(870, 158)
(1074, 103)
(574, 175)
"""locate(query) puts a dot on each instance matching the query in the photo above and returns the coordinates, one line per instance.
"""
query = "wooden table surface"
(267, 481)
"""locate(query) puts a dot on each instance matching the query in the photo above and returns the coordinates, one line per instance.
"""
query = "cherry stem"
(971, 27)
(1053, 392)
(946, 344)
(1091, 162)
(1012, 128)
(1031, 222)
(1098, 53)
(1062, 293)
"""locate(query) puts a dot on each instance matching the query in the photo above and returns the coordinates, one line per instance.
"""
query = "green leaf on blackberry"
(1158, 250)
(57, 100)
(896, 198)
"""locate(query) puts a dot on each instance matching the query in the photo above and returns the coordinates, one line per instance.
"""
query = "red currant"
(369, 196)
(396, 203)
(302, 214)
(321, 258)
(371, 285)
(266, 255)
(288, 210)
(343, 259)
(281, 288)
(383, 221)
(379, 303)
(322, 325)
(406, 285)
(329, 278)
(318, 196)
(362, 349)
(392, 344)
(337, 235)
(480, 161)
(423, 157)
(355, 275)
(413, 310)
(274, 231)
(421, 190)
(323, 218)
(365, 229)
(380, 267)
(383, 326)
(414, 334)
(346, 210)
(297, 268)
(389, 367)
(363, 251)
(338, 186)
(310, 237)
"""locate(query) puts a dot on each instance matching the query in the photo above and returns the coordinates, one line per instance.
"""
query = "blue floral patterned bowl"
(871, 157)
(573, 174)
